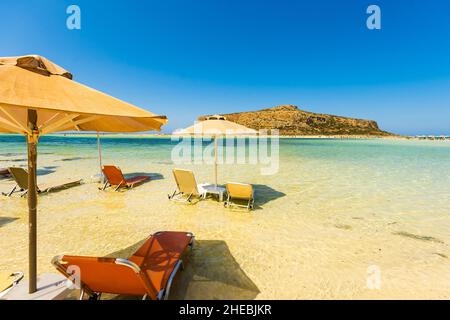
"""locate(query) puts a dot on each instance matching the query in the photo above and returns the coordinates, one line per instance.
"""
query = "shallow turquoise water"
(333, 208)
(413, 174)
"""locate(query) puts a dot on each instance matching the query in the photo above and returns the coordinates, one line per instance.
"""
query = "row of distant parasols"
(38, 97)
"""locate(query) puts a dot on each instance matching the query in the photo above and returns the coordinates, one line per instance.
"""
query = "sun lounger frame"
(124, 183)
(183, 197)
(19, 188)
(163, 294)
(229, 202)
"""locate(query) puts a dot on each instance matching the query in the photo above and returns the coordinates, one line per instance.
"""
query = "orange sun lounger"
(149, 272)
(114, 177)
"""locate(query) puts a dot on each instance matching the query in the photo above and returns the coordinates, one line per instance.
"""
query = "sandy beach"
(334, 209)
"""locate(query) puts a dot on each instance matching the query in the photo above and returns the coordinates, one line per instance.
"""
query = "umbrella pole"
(215, 160)
(32, 140)
(100, 156)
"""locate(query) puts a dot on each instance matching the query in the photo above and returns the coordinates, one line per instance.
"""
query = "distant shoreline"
(166, 136)
(156, 135)
(153, 135)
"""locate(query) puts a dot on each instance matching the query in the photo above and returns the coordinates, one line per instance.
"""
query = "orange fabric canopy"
(33, 82)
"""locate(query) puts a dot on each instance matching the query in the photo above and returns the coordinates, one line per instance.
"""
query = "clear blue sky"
(186, 58)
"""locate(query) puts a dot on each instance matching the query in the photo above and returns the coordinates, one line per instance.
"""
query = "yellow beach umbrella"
(215, 126)
(39, 97)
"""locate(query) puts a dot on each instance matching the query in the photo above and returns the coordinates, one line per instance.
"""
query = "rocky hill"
(290, 120)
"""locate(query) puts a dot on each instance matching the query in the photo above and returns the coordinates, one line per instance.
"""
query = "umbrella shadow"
(40, 172)
(210, 272)
(75, 159)
(46, 170)
(213, 273)
(265, 194)
(10, 154)
(6, 220)
(4, 175)
(152, 175)
(13, 160)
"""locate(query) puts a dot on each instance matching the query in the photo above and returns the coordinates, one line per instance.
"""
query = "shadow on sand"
(13, 160)
(75, 159)
(46, 170)
(152, 175)
(4, 174)
(265, 194)
(211, 272)
(40, 172)
(6, 220)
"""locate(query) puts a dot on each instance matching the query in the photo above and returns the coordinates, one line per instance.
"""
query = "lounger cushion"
(104, 275)
(158, 255)
(240, 190)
